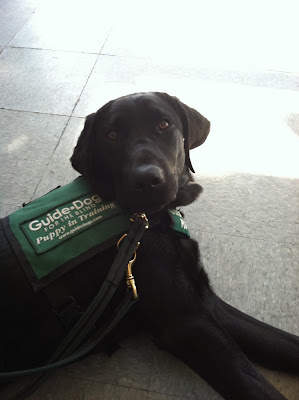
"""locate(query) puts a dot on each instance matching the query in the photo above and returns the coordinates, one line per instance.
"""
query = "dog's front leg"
(265, 344)
(180, 308)
(206, 346)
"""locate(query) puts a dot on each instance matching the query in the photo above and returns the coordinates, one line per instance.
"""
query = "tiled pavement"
(238, 65)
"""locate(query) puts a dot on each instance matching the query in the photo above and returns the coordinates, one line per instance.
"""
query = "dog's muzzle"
(146, 177)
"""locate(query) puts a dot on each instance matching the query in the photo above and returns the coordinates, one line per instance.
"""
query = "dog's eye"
(112, 136)
(163, 125)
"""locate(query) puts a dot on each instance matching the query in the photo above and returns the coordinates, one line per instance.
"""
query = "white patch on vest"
(51, 235)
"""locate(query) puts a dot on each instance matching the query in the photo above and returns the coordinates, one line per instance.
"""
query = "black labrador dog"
(135, 149)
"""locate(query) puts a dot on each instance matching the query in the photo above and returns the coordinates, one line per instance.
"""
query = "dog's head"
(135, 150)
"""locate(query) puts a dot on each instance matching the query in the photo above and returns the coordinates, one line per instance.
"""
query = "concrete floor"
(238, 65)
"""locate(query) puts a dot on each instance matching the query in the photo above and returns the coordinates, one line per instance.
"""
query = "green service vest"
(58, 231)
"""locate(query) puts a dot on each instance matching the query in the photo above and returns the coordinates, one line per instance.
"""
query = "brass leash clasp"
(129, 276)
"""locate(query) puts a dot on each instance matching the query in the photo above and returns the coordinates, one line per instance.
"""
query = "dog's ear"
(195, 126)
(86, 161)
(80, 155)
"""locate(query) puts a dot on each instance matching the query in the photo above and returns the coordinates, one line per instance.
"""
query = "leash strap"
(96, 338)
(99, 303)
(86, 323)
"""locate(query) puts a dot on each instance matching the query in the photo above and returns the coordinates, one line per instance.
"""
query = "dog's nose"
(147, 176)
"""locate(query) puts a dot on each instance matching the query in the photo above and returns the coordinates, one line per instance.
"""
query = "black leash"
(97, 337)
(69, 350)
